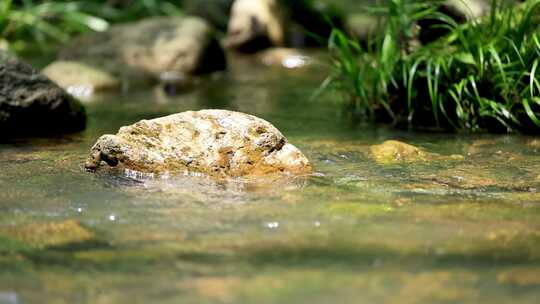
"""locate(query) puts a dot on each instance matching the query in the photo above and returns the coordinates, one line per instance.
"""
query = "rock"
(215, 142)
(285, 57)
(31, 104)
(392, 151)
(49, 233)
(255, 25)
(148, 48)
(80, 79)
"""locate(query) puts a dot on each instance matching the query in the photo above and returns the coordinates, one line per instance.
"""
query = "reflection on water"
(463, 230)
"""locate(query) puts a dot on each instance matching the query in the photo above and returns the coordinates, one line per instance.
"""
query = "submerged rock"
(31, 104)
(214, 11)
(256, 24)
(49, 233)
(146, 49)
(392, 151)
(215, 142)
(285, 57)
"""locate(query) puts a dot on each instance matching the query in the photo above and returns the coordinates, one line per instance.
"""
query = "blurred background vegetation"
(26, 23)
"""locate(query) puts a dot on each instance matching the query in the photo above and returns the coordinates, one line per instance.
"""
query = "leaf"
(530, 112)
(466, 58)
(388, 50)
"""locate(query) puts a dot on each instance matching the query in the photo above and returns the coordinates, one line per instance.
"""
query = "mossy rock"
(393, 152)
(47, 234)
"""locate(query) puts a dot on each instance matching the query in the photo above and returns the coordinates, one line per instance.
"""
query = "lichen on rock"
(214, 142)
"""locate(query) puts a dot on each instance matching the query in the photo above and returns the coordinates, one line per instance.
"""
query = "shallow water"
(443, 231)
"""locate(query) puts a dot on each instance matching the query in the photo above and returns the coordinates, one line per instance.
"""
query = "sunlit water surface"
(456, 231)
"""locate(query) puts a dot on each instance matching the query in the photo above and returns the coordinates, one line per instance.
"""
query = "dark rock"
(31, 104)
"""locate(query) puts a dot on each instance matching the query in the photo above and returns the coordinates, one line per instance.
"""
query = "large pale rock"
(215, 142)
(30, 104)
(146, 49)
(256, 24)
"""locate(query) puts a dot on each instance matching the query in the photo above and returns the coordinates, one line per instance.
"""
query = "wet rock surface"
(215, 142)
(31, 104)
(144, 50)
(394, 151)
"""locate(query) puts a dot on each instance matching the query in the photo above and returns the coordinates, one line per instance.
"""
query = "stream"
(447, 230)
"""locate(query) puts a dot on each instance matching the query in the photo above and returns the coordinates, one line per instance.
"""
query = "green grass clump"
(482, 75)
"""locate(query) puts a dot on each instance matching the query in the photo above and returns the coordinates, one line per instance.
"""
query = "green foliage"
(481, 75)
(26, 23)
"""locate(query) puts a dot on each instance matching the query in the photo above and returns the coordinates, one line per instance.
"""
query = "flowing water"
(449, 230)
